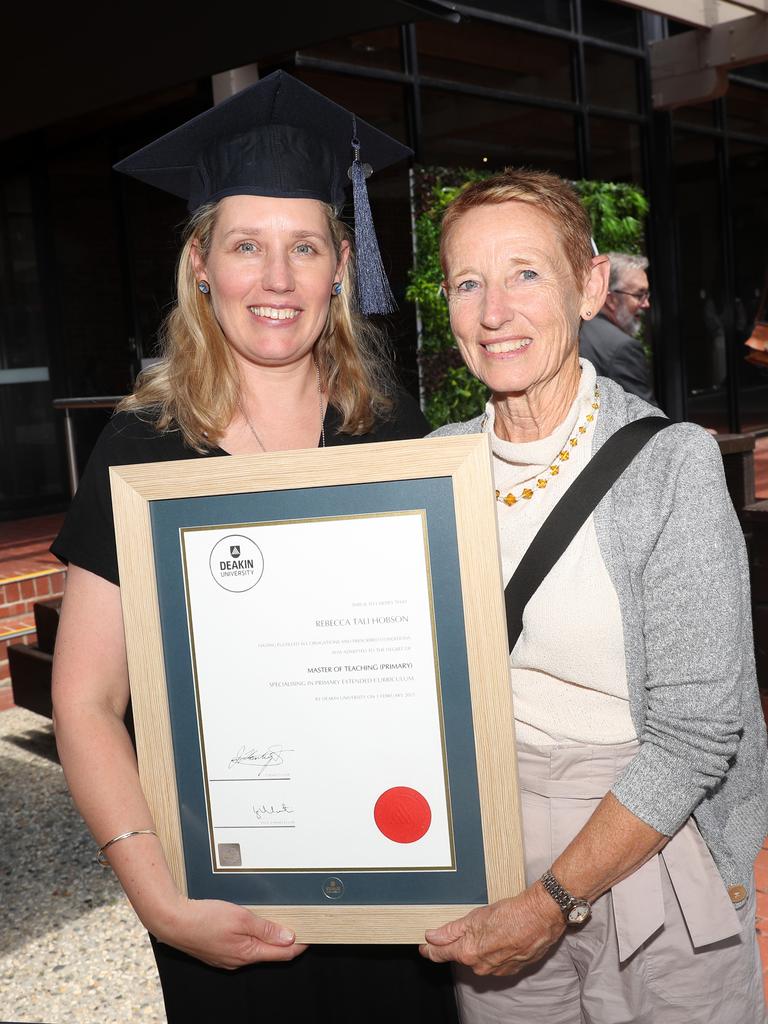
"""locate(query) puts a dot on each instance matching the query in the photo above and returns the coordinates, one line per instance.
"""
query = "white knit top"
(567, 670)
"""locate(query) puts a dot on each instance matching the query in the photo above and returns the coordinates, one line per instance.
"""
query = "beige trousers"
(665, 946)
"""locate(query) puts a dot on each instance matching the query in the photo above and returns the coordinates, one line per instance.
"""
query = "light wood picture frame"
(449, 480)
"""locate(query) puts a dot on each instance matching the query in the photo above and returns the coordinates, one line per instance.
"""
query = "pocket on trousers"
(716, 976)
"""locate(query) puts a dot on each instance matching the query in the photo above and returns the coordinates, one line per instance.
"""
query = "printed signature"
(268, 810)
(271, 757)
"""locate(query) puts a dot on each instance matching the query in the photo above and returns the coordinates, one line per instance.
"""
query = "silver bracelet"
(124, 835)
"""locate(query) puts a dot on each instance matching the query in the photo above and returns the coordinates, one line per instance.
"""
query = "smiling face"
(513, 301)
(271, 265)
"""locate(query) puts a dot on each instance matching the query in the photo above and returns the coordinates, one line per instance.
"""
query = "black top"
(326, 984)
(87, 537)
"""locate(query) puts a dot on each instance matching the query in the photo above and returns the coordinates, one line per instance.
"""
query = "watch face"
(579, 913)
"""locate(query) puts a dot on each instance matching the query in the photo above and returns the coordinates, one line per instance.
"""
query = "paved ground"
(71, 948)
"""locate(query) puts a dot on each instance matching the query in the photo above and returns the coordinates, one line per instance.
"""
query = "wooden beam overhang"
(693, 67)
(700, 13)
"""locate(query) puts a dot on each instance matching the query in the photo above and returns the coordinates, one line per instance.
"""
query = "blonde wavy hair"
(195, 387)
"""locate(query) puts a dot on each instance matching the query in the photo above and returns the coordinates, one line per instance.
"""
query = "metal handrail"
(92, 402)
(68, 404)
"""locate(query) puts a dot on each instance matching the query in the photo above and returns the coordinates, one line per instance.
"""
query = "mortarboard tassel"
(373, 288)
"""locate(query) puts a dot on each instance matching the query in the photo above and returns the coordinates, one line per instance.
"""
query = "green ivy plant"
(617, 212)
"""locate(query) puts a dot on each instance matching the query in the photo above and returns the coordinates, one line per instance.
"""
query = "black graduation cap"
(278, 138)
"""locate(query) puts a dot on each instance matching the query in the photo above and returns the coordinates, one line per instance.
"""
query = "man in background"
(610, 342)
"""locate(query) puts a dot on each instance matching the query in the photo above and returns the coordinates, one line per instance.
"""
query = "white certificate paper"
(318, 694)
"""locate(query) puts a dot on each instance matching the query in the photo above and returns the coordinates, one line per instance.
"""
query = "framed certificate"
(320, 682)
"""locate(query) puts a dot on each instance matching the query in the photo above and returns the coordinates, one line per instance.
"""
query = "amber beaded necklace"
(528, 492)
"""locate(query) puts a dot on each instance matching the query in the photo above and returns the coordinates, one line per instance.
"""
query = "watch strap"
(559, 894)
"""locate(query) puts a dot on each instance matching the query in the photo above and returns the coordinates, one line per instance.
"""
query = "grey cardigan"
(675, 553)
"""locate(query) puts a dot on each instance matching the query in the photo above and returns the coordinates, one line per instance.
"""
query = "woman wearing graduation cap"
(264, 351)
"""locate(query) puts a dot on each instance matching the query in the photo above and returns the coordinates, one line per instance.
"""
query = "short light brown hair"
(548, 192)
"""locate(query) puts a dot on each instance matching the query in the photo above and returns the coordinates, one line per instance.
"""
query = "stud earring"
(337, 287)
(588, 314)
(204, 287)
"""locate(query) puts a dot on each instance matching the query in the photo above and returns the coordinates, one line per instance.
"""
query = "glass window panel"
(615, 148)
(749, 220)
(674, 27)
(152, 223)
(29, 451)
(701, 278)
(556, 13)
(23, 339)
(380, 49)
(757, 72)
(611, 80)
(126, 248)
(465, 131)
(709, 407)
(152, 219)
(702, 115)
(610, 21)
(489, 54)
(381, 103)
(93, 325)
(747, 109)
(389, 193)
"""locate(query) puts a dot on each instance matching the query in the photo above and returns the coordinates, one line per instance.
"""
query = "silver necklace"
(322, 415)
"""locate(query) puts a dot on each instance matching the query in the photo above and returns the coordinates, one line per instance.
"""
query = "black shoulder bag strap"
(571, 512)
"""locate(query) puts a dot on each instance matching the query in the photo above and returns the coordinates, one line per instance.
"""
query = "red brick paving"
(17, 598)
(24, 545)
(28, 573)
(36, 530)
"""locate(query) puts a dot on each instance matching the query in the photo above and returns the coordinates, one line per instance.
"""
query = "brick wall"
(17, 625)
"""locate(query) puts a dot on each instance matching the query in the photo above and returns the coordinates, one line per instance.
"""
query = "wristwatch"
(576, 910)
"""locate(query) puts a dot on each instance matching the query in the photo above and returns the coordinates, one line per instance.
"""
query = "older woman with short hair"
(641, 741)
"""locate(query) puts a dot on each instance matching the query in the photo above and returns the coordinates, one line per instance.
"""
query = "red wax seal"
(402, 814)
